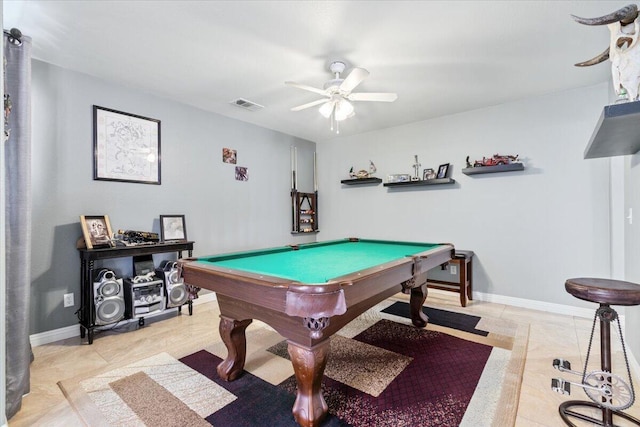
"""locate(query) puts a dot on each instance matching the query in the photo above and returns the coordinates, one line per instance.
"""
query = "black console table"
(86, 314)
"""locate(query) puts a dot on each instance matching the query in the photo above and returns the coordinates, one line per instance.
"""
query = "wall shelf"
(361, 181)
(617, 132)
(436, 181)
(493, 169)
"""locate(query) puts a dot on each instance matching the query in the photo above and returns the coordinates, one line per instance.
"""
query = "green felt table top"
(318, 262)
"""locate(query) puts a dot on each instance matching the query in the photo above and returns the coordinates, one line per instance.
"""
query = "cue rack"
(304, 206)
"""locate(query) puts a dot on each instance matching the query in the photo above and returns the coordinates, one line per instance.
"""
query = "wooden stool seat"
(604, 291)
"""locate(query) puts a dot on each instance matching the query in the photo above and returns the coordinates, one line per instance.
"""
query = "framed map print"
(126, 147)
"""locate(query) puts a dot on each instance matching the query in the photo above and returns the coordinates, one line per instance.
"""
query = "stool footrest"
(566, 412)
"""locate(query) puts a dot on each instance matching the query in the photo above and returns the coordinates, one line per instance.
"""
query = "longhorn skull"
(623, 49)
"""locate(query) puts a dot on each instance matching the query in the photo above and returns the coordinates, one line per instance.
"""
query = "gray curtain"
(18, 222)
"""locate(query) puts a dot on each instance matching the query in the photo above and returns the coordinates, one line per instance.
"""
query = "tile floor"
(551, 335)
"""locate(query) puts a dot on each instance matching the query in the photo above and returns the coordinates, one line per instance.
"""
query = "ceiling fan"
(337, 96)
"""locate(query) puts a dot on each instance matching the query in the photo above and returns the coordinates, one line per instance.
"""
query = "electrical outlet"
(68, 300)
(453, 269)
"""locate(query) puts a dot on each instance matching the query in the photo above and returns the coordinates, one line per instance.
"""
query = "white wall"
(222, 214)
(632, 248)
(530, 230)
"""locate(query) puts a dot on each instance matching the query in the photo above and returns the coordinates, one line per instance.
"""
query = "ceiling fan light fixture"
(344, 110)
(326, 109)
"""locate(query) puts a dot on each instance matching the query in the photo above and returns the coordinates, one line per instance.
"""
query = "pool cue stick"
(315, 173)
(294, 191)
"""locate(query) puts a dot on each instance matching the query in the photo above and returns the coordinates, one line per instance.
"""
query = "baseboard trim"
(67, 332)
(567, 310)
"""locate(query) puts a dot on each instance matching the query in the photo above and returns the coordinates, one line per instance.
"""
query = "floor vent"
(247, 105)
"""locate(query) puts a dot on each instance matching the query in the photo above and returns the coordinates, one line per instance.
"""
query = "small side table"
(604, 292)
(464, 286)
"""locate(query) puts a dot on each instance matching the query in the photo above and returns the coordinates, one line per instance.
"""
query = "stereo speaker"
(176, 291)
(108, 297)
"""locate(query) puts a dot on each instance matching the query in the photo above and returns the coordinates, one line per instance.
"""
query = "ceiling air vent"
(247, 105)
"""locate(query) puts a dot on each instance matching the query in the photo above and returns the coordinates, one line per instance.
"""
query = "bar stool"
(608, 392)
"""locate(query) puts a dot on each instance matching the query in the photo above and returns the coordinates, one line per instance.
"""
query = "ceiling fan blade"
(371, 96)
(310, 104)
(355, 77)
(305, 87)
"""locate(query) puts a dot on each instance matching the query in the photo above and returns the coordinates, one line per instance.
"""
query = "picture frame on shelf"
(399, 177)
(96, 230)
(443, 171)
(126, 147)
(173, 228)
(428, 174)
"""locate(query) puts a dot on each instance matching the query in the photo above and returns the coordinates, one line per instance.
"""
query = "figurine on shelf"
(416, 169)
(497, 159)
(361, 174)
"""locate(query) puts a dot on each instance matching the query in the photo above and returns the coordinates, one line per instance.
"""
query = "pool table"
(308, 292)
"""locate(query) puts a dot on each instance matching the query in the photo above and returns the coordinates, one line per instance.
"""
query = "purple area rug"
(434, 389)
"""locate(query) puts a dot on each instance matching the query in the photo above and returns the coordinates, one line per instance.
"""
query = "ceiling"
(440, 57)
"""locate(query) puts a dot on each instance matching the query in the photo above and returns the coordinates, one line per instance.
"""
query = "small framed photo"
(443, 171)
(242, 173)
(126, 147)
(96, 231)
(399, 177)
(428, 174)
(172, 227)
(229, 155)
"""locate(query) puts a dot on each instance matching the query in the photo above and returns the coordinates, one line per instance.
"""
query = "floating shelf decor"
(361, 181)
(617, 132)
(437, 181)
(493, 169)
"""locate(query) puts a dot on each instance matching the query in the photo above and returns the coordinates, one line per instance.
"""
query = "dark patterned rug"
(449, 319)
(381, 372)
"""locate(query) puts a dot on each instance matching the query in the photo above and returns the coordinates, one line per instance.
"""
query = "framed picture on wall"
(96, 231)
(172, 228)
(443, 170)
(126, 147)
(229, 155)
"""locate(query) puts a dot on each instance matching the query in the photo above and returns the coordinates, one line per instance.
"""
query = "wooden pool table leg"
(418, 297)
(233, 336)
(309, 408)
